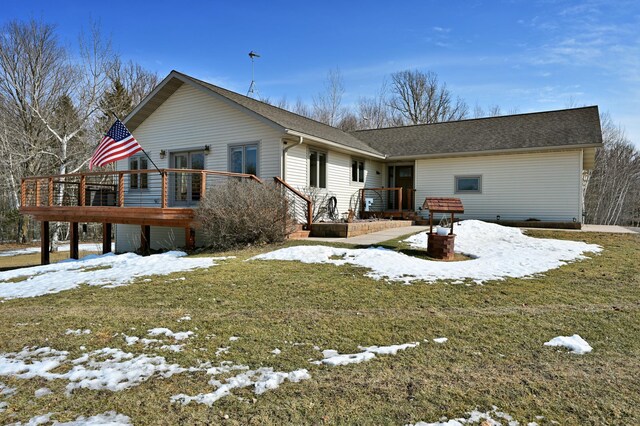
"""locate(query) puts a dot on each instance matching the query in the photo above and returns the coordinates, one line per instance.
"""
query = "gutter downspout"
(284, 156)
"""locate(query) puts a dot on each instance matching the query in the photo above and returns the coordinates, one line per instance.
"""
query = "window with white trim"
(138, 180)
(468, 184)
(357, 170)
(317, 169)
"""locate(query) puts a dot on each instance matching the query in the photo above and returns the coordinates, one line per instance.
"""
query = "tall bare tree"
(420, 98)
(375, 112)
(327, 105)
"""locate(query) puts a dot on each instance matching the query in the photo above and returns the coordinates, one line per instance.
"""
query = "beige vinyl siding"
(188, 120)
(544, 186)
(339, 182)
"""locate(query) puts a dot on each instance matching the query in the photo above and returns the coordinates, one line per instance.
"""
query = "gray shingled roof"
(287, 119)
(569, 127)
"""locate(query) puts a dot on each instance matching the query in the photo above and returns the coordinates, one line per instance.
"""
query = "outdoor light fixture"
(207, 149)
(498, 217)
(574, 220)
(163, 154)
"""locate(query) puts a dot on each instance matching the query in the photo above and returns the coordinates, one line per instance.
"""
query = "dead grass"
(494, 356)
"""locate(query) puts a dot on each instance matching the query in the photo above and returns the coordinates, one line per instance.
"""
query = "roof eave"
(494, 151)
(335, 144)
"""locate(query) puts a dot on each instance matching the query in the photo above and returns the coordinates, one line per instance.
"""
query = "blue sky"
(524, 55)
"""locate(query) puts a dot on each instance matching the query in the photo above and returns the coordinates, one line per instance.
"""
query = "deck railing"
(129, 188)
(387, 200)
(300, 205)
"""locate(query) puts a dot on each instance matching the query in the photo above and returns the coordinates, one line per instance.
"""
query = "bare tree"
(374, 112)
(327, 105)
(612, 194)
(420, 98)
(301, 108)
(137, 81)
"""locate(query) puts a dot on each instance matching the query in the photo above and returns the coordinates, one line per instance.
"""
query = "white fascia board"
(336, 145)
(492, 152)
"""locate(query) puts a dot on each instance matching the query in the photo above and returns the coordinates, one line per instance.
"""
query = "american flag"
(117, 144)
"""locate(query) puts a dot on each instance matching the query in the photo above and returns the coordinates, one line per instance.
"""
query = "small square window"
(468, 184)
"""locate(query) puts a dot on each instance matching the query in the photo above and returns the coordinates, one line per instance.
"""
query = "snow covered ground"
(109, 418)
(494, 417)
(115, 370)
(497, 252)
(61, 247)
(107, 270)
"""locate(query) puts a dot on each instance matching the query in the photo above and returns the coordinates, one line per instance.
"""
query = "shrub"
(244, 212)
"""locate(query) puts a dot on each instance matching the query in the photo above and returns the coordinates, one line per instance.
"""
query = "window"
(243, 159)
(357, 170)
(468, 184)
(317, 169)
(138, 180)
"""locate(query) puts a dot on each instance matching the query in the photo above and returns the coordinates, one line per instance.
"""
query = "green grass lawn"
(494, 356)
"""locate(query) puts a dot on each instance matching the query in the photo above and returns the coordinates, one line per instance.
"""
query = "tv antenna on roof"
(252, 86)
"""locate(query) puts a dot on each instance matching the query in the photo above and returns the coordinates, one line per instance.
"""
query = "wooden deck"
(165, 197)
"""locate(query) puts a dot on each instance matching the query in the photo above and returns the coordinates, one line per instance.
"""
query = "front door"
(186, 185)
(401, 177)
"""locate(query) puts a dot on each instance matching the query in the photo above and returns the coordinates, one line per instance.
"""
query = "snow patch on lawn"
(103, 369)
(494, 417)
(61, 247)
(6, 390)
(109, 418)
(39, 393)
(575, 344)
(77, 332)
(107, 270)
(440, 339)
(333, 358)
(262, 380)
(165, 331)
(497, 252)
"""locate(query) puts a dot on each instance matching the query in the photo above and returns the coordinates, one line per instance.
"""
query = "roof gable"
(274, 116)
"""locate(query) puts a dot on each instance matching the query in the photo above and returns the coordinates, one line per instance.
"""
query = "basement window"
(357, 170)
(468, 184)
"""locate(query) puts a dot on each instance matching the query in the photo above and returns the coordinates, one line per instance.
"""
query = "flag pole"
(145, 152)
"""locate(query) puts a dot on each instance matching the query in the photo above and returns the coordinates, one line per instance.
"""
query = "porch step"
(299, 235)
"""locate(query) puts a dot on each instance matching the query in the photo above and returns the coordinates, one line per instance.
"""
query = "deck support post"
(145, 240)
(190, 238)
(73, 236)
(44, 243)
(106, 238)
